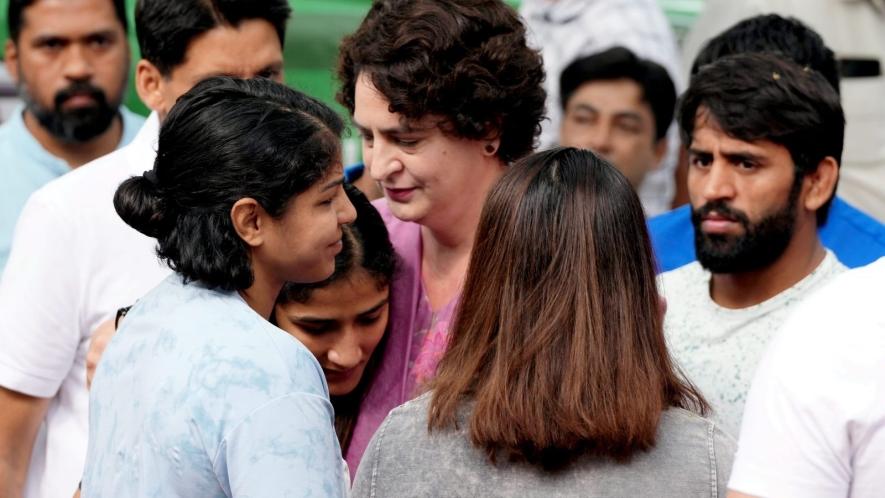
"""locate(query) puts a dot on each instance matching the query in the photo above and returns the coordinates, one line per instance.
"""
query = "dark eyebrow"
(392, 131)
(739, 157)
(314, 319)
(698, 152)
(333, 184)
(634, 116)
(584, 107)
(376, 307)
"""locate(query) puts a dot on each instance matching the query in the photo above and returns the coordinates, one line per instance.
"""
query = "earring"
(490, 148)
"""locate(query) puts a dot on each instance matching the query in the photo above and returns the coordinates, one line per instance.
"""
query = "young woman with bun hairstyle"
(198, 394)
(557, 380)
(342, 320)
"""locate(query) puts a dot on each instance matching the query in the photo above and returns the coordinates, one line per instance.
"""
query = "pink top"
(416, 337)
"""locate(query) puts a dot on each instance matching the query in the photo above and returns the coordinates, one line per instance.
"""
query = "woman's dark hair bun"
(139, 203)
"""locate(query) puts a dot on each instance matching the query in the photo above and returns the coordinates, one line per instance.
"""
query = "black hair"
(226, 139)
(772, 33)
(366, 245)
(759, 96)
(464, 60)
(15, 15)
(165, 28)
(616, 63)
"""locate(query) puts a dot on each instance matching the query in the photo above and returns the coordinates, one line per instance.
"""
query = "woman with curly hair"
(446, 94)
(557, 380)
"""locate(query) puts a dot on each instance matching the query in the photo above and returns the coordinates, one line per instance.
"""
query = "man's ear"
(247, 217)
(821, 183)
(149, 83)
(660, 150)
(11, 60)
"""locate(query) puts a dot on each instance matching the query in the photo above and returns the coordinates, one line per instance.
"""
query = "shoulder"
(849, 302)
(682, 428)
(132, 122)
(856, 237)
(692, 275)
(672, 237)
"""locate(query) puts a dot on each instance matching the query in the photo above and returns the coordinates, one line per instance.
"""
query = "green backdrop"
(316, 28)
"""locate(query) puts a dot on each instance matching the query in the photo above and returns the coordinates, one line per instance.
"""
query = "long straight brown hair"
(558, 341)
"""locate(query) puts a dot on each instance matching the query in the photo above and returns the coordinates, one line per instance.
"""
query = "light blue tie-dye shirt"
(199, 396)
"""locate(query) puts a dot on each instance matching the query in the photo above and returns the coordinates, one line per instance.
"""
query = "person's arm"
(101, 336)
(38, 333)
(287, 447)
(736, 494)
(20, 420)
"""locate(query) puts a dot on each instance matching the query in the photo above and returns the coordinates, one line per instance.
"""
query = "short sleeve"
(39, 327)
(287, 447)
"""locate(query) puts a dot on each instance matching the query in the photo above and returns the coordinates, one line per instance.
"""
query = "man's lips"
(717, 223)
(79, 100)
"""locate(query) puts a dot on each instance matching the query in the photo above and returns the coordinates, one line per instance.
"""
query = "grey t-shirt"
(692, 458)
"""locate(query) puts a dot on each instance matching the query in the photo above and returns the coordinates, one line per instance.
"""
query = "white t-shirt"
(73, 263)
(814, 426)
(719, 348)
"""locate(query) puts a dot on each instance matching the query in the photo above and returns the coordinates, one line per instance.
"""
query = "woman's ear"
(247, 217)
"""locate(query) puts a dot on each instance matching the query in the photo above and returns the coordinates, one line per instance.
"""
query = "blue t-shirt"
(25, 166)
(199, 396)
(855, 238)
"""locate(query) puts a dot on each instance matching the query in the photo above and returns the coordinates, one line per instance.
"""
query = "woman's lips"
(340, 375)
(399, 194)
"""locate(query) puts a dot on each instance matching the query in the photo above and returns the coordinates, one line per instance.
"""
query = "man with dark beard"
(764, 139)
(70, 62)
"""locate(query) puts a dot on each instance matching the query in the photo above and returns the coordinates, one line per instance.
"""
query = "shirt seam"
(377, 462)
(711, 448)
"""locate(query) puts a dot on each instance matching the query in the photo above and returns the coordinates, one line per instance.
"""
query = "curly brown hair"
(464, 60)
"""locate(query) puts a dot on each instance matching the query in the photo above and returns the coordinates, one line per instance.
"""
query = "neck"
(76, 154)
(447, 243)
(741, 290)
(262, 294)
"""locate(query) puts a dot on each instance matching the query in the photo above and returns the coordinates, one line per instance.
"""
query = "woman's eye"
(369, 319)
(313, 328)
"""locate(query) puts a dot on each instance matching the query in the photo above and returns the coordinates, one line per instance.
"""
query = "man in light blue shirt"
(70, 62)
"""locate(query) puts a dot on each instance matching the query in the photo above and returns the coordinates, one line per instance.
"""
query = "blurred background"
(312, 39)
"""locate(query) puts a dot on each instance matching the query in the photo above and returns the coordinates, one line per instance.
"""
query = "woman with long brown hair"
(557, 380)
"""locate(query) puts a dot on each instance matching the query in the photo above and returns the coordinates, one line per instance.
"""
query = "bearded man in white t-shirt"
(764, 139)
(74, 261)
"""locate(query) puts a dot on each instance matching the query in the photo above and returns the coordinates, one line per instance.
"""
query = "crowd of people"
(207, 302)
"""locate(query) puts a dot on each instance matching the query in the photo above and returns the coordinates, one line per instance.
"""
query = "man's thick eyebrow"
(46, 37)
(584, 107)
(699, 152)
(740, 156)
(629, 115)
